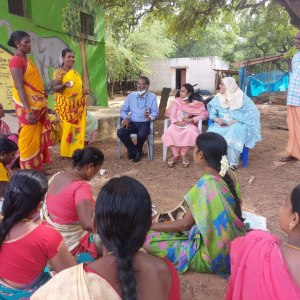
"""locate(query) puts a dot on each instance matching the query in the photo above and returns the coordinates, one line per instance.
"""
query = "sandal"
(288, 158)
(172, 162)
(172, 215)
(185, 162)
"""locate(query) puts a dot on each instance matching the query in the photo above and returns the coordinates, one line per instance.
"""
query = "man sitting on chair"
(142, 106)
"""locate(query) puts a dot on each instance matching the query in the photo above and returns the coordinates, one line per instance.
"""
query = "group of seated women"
(111, 248)
(210, 238)
(233, 113)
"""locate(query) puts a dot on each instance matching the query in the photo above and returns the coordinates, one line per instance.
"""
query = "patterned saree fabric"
(33, 138)
(71, 108)
(205, 248)
(10, 293)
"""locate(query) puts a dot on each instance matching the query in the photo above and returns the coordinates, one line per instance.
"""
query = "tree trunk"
(293, 9)
(85, 72)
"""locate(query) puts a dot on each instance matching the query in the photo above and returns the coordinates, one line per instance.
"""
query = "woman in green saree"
(200, 241)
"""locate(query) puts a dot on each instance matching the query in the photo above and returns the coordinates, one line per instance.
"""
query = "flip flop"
(172, 215)
(288, 158)
(185, 162)
(172, 162)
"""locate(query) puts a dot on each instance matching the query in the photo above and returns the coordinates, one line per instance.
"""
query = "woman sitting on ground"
(122, 219)
(69, 205)
(5, 132)
(185, 113)
(236, 118)
(26, 247)
(274, 264)
(200, 241)
(8, 150)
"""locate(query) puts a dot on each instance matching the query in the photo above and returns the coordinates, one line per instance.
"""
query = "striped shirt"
(294, 85)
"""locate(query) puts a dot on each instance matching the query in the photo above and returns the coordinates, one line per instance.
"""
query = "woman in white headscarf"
(236, 118)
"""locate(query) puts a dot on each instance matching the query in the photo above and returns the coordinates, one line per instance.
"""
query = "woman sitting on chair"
(200, 241)
(122, 220)
(69, 205)
(184, 115)
(236, 118)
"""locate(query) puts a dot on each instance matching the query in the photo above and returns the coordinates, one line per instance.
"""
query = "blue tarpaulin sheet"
(266, 82)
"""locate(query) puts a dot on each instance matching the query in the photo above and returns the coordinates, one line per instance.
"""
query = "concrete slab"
(107, 118)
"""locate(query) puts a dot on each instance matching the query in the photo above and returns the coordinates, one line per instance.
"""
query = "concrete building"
(174, 72)
(53, 26)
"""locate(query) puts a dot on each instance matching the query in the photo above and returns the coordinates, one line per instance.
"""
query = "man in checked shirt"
(293, 108)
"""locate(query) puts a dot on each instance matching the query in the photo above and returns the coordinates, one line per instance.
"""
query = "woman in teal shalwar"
(236, 118)
(200, 241)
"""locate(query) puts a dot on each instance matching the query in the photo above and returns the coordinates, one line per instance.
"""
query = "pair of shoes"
(137, 157)
(172, 162)
(185, 162)
(172, 215)
(131, 156)
(288, 158)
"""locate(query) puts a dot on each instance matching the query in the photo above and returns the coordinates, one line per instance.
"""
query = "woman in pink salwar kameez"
(184, 113)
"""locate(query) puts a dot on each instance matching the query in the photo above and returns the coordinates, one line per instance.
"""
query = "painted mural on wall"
(62, 28)
(6, 82)
(45, 50)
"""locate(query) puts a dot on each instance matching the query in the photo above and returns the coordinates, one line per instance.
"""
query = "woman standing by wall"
(30, 105)
(71, 105)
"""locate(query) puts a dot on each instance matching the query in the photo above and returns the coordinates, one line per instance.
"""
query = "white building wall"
(199, 70)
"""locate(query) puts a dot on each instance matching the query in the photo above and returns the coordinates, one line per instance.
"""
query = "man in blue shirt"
(138, 109)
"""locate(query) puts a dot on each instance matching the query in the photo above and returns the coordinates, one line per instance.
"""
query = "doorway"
(180, 78)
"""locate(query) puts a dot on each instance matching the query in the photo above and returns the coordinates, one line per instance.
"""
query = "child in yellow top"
(8, 150)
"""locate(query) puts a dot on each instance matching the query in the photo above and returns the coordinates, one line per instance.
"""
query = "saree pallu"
(10, 293)
(80, 243)
(205, 248)
(33, 139)
(76, 284)
(259, 270)
(71, 108)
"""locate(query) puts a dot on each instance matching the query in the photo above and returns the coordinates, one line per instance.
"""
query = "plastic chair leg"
(245, 155)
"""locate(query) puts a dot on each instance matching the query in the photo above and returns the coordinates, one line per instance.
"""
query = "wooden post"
(163, 102)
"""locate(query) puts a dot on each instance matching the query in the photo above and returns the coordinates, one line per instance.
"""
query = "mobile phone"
(224, 125)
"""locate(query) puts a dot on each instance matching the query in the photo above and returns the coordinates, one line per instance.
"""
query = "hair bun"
(11, 43)
(78, 155)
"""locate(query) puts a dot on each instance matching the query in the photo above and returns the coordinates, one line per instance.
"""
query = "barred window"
(16, 7)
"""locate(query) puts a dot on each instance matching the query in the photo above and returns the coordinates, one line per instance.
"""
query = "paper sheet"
(254, 221)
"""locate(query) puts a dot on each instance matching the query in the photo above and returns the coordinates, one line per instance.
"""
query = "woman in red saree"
(30, 105)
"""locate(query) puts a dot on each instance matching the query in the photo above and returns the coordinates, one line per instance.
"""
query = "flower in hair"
(224, 166)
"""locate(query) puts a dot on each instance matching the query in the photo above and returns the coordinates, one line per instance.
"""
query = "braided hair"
(213, 147)
(123, 218)
(25, 190)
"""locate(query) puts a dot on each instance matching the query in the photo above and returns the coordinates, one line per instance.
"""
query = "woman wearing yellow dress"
(31, 103)
(70, 104)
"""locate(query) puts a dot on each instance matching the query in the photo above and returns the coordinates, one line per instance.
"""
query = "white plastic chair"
(149, 140)
(166, 125)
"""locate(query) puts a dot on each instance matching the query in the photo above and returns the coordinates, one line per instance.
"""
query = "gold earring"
(291, 227)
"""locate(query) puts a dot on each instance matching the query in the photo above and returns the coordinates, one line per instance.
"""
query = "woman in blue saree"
(236, 118)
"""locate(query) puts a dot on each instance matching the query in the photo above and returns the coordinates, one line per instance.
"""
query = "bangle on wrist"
(28, 110)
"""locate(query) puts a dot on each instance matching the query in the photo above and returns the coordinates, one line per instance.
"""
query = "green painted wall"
(55, 23)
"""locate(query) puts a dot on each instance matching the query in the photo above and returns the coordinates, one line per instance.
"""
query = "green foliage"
(128, 55)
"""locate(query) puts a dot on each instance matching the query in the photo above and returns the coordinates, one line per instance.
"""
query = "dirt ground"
(272, 184)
